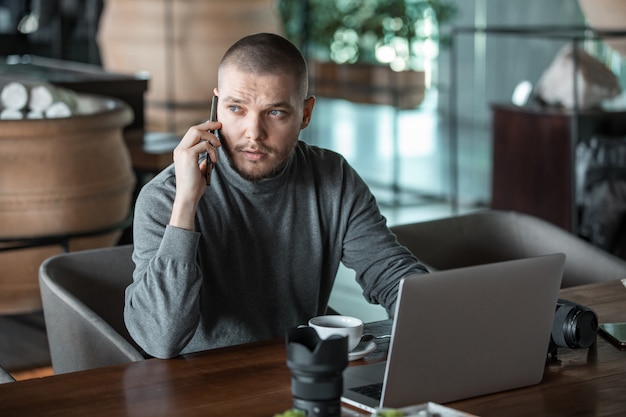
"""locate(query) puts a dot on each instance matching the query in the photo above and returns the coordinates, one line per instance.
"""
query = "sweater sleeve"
(371, 249)
(162, 304)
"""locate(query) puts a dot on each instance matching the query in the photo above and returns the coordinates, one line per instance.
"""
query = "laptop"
(462, 333)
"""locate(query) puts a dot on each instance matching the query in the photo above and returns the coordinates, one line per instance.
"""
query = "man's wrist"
(183, 215)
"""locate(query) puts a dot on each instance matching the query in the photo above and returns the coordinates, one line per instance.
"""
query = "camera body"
(574, 326)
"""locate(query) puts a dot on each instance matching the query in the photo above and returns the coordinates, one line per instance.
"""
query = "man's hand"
(190, 175)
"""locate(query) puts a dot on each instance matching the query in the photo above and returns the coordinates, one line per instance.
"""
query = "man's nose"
(255, 128)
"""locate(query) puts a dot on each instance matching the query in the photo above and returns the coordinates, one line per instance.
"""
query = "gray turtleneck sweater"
(263, 257)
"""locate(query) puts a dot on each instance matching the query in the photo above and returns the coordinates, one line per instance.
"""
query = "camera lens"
(574, 326)
(579, 328)
(316, 371)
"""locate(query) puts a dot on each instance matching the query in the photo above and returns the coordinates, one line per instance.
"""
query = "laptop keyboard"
(372, 390)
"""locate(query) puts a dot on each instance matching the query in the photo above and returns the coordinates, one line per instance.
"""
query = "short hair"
(268, 53)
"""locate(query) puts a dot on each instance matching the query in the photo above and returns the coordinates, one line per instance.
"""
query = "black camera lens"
(316, 371)
(574, 326)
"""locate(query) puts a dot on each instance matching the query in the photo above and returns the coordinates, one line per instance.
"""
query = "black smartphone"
(209, 163)
(614, 333)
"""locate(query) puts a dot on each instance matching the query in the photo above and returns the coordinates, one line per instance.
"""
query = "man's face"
(261, 118)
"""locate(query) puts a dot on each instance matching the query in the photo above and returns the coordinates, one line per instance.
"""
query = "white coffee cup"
(328, 325)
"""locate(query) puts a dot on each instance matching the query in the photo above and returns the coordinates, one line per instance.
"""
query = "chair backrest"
(488, 236)
(5, 376)
(83, 303)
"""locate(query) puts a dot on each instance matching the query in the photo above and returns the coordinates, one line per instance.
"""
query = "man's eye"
(234, 108)
(277, 112)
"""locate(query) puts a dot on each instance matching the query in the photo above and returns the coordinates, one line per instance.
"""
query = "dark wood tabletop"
(253, 380)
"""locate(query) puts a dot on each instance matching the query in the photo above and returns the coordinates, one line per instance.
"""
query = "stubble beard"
(257, 177)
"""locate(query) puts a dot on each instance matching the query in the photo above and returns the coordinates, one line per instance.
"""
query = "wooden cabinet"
(534, 159)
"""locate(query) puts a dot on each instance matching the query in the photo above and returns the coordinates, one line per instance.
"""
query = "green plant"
(292, 412)
(395, 32)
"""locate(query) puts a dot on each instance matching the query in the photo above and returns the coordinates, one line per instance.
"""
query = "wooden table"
(253, 380)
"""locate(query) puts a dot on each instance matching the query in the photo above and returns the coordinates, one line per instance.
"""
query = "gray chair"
(491, 236)
(83, 304)
(5, 376)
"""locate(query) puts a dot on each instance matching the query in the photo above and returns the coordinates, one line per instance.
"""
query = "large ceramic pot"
(60, 176)
(180, 44)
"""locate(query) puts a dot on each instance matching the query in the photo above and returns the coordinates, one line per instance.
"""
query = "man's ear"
(215, 92)
(307, 112)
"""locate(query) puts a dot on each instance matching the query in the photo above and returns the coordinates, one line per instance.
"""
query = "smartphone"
(209, 163)
(614, 333)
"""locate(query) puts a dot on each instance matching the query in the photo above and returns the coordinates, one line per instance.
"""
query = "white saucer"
(361, 350)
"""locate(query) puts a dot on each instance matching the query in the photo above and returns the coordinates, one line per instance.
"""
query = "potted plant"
(371, 51)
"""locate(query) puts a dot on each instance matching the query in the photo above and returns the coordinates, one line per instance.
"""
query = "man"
(255, 252)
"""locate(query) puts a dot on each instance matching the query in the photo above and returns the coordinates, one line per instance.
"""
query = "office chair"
(491, 236)
(83, 303)
(5, 376)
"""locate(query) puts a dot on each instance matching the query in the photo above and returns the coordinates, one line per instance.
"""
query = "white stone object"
(595, 82)
(14, 96)
(58, 110)
(11, 114)
(41, 98)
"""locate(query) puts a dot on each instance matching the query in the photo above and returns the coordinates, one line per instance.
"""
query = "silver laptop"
(463, 333)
